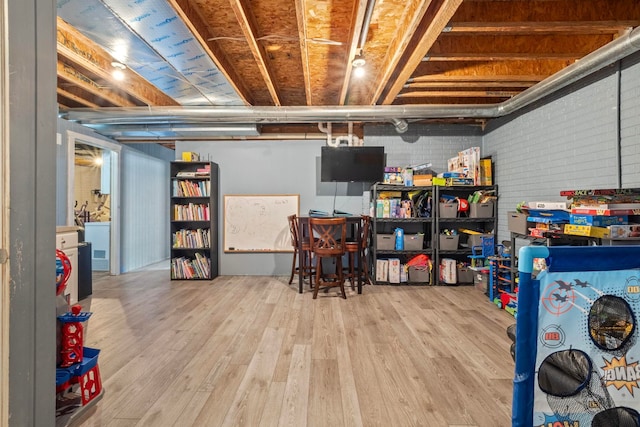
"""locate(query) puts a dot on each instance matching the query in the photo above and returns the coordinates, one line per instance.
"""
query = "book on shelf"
(588, 210)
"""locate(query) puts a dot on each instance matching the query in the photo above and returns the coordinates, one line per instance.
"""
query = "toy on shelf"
(78, 380)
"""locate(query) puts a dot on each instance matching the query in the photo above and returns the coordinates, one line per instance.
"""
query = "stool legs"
(329, 279)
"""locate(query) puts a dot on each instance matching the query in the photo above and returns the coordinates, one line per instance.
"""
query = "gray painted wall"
(569, 141)
(293, 167)
(144, 204)
(31, 107)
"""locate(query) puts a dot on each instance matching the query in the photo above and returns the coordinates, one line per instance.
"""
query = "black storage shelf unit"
(430, 226)
(195, 194)
(411, 225)
(484, 225)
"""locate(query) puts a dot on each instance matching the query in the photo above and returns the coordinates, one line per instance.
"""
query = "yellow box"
(586, 230)
(190, 156)
(486, 177)
(439, 181)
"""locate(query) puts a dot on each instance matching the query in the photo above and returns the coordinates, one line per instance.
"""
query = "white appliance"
(67, 242)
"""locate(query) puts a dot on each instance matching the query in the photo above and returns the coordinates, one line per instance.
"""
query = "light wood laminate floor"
(251, 351)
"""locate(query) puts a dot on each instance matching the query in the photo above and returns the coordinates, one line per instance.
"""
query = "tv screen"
(346, 164)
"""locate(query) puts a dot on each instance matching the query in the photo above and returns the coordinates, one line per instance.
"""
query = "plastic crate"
(419, 274)
(481, 210)
(465, 275)
(385, 242)
(413, 242)
(448, 210)
(449, 243)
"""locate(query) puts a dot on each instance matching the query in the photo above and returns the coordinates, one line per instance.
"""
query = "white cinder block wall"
(569, 142)
(433, 144)
(630, 121)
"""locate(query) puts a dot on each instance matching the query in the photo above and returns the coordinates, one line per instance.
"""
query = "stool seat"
(327, 238)
(353, 246)
(306, 256)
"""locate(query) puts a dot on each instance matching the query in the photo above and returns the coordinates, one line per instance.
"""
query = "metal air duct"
(608, 54)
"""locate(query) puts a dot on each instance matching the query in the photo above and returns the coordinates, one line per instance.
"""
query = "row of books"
(191, 212)
(188, 188)
(194, 174)
(192, 239)
(185, 268)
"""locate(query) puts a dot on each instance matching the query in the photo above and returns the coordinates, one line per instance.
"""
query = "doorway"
(93, 197)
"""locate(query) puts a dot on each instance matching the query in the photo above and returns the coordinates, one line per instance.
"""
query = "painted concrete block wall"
(567, 142)
(433, 144)
(144, 206)
(293, 167)
(144, 197)
(630, 121)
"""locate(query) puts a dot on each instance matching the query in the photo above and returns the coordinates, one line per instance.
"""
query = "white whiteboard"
(258, 222)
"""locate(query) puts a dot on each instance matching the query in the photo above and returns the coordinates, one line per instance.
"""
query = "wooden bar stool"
(361, 243)
(326, 239)
(306, 256)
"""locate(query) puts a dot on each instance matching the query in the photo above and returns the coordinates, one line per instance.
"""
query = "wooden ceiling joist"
(459, 94)
(84, 53)
(76, 98)
(74, 77)
(514, 28)
(477, 84)
(412, 17)
(200, 31)
(243, 13)
(443, 10)
(533, 78)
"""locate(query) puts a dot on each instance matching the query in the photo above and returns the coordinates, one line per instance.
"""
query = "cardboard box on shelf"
(598, 220)
(624, 231)
(422, 180)
(586, 230)
(382, 270)
(486, 172)
(190, 156)
(448, 271)
(394, 270)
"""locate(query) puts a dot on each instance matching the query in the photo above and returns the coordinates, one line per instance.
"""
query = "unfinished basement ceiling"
(461, 55)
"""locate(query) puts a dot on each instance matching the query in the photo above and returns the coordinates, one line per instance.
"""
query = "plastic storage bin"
(419, 274)
(481, 210)
(476, 239)
(517, 223)
(448, 210)
(465, 275)
(449, 243)
(385, 242)
(413, 242)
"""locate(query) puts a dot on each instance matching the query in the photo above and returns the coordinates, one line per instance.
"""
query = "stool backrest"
(327, 235)
(293, 228)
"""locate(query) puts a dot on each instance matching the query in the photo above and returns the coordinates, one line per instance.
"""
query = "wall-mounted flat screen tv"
(352, 164)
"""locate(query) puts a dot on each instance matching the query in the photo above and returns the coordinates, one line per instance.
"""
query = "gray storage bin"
(385, 242)
(481, 210)
(465, 275)
(419, 275)
(448, 210)
(413, 242)
(476, 239)
(449, 243)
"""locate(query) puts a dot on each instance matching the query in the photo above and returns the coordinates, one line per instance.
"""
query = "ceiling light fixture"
(358, 64)
(118, 72)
